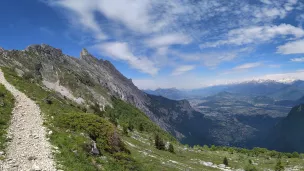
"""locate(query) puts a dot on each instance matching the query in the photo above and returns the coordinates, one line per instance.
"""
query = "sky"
(185, 44)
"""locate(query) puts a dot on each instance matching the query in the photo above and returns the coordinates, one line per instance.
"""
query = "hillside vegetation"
(6, 107)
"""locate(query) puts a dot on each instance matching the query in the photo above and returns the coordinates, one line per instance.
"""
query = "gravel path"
(28, 149)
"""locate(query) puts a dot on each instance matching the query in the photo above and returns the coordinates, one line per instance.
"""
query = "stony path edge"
(28, 148)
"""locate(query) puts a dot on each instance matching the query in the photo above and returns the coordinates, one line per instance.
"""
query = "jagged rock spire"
(85, 55)
(84, 52)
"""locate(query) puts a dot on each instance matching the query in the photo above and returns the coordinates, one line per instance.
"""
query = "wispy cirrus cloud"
(243, 67)
(168, 39)
(247, 66)
(182, 69)
(256, 34)
(297, 59)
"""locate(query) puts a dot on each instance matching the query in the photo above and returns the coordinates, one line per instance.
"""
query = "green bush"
(171, 148)
(225, 161)
(141, 127)
(99, 129)
(159, 143)
(250, 167)
(279, 166)
(28, 76)
(295, 155)
(125, 130)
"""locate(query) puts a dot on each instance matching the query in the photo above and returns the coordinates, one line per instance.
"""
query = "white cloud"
(257, 34)
(182, 69)
(294, 47)
(135, 14)
(121, 51)
(213, 58)
(244, 67)
(297, 59)
(81, 13)
(168, 39)
(247, 66)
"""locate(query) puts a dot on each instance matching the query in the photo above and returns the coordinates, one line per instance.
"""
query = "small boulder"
(94, 149)
(35, 168)
(50, 132)
(222, 166)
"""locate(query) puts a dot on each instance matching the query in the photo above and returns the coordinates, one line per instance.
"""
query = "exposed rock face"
(87, 78)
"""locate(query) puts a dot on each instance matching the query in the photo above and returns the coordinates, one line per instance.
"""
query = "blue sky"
(168, 43)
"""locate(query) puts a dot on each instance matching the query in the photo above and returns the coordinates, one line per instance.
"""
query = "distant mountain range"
(278, 90)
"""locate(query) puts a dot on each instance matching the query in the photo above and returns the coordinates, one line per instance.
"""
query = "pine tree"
(162, 145)
(141, 127)
(225, 161)
(171, 148)
(159, 143)
(279, 166)
(125, 129)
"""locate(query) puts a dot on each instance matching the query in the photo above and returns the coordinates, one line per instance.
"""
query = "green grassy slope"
(128, 115)
(197, 158)
(73, 131)
(6, 107)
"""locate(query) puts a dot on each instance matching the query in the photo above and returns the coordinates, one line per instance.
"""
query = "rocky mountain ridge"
(86, 79)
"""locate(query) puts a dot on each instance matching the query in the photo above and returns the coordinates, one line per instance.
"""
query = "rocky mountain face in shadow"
(288, 135)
